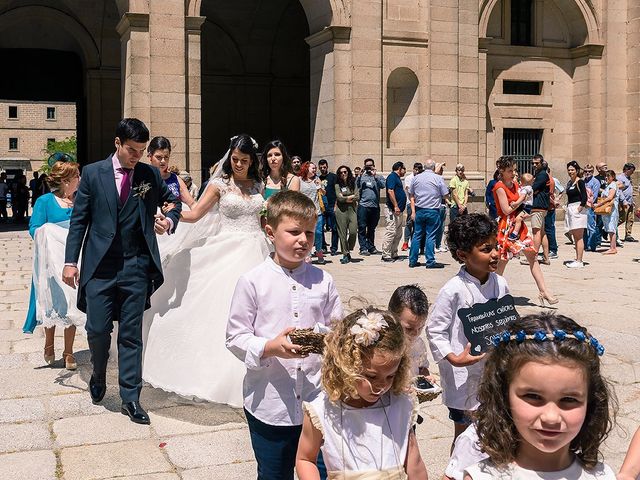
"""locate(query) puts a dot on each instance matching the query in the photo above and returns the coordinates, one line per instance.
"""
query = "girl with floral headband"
(545, 408)
(362, 420)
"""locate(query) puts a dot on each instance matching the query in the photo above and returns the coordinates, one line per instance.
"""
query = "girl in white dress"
(362, 420)
(544, 406)
(185, 351)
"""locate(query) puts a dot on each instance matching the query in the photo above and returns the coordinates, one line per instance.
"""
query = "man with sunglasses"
(115, 222)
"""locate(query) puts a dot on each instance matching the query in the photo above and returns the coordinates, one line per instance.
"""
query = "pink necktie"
(125, 185)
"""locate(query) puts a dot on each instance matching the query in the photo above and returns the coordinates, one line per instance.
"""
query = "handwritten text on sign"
(484, 321)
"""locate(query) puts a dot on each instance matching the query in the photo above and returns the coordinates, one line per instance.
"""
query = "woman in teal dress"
(50, 304)
(276, 170)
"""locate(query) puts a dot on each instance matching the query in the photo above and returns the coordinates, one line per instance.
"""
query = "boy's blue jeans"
(275, 449)
(426, 225)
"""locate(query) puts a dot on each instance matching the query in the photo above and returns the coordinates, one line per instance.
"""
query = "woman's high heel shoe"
(551, 300)
(69, 361)
(49, 359)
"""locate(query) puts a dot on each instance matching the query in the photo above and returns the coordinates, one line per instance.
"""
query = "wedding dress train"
(185, 328)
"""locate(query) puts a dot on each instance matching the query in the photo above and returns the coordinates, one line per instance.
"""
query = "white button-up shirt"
(267, 300)
(446, 334)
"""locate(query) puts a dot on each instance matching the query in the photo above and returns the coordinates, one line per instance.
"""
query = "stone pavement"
(49, 428)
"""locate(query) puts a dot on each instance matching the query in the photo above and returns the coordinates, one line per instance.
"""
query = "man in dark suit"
(114, 220)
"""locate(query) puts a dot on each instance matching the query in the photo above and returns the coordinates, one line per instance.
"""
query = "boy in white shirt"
(472, 241)
(270, 301)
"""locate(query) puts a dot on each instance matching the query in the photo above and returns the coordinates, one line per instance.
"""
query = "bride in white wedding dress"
(184, 348)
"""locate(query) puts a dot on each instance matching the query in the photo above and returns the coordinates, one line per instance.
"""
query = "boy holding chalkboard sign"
(470, 308)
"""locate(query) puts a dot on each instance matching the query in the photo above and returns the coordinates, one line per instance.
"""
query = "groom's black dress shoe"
(135, 412)
(97, 388)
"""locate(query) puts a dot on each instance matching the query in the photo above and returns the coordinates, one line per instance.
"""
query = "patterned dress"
(510, 248)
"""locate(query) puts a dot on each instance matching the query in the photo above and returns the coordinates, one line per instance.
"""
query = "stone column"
(367, 82)
(133, 29)
(633, 82)
(455, 85)
(614, 74)
(167, 79)
(194, 99)
(330, 84)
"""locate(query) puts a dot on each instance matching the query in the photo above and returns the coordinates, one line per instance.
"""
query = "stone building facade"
(462, 81)
(26, 128)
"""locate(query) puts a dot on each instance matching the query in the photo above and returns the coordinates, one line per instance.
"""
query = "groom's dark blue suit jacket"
(95, 218)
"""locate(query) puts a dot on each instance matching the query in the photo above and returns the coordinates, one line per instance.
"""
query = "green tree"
(69, 146)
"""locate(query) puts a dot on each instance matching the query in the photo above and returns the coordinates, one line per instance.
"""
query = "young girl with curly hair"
(545, 408)
(362, 420)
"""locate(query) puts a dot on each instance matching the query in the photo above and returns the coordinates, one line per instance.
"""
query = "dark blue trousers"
(330, 225)
(368, 218)
(550, 230)
(275, 448)
(118, 292)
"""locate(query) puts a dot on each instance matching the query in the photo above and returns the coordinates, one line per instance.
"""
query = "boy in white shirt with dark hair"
(270, 301)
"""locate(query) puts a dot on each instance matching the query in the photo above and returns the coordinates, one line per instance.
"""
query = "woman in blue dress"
(50, 303)
(159, 154)
(610, 220)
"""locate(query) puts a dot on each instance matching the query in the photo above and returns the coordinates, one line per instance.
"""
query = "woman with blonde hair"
(52, 303)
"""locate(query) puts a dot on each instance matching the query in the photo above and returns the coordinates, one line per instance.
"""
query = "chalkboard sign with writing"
(483, 321)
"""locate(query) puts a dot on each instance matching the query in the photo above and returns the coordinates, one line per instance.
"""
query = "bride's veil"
(189, 235)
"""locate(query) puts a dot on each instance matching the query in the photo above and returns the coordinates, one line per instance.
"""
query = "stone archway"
(43, 42)
(585, 7)
(562, 63)
(255, 74)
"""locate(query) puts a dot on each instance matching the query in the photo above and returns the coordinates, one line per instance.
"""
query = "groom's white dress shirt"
(267, 300)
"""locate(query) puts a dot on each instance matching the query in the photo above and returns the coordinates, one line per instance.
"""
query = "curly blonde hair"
(342, 365)
(60, 172)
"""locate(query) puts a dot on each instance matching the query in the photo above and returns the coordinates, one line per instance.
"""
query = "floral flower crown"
(556, 335)
(368, 327)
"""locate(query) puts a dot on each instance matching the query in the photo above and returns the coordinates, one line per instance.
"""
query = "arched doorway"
(66, 54)
(541, 59)
(255, 75)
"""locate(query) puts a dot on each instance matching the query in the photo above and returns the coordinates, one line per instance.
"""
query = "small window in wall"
(13, 144)
(50, 141)
(521, 22)
(522, 144)
(517, 87)
(13, 111)
(51, 113)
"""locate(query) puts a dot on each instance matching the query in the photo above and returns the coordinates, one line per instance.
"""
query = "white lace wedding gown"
(185, 327)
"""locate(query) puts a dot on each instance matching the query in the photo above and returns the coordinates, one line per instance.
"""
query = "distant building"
(26, 127)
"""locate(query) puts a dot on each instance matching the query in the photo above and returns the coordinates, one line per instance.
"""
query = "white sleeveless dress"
(185, 326)
(364, 443)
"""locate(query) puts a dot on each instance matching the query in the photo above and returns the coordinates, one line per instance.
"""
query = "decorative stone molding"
(334, 33)
(406, 39)
(133, 21)
(194, 24)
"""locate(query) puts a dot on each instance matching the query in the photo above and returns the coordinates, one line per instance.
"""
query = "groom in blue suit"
(115, 222)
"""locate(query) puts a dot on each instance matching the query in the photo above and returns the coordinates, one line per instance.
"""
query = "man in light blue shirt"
(593, 185)
(627, 200)
(426, 193)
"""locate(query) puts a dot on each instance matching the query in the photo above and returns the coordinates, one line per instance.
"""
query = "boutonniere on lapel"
(141, 189)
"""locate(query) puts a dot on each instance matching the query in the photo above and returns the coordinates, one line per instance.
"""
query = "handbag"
(604, 209)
